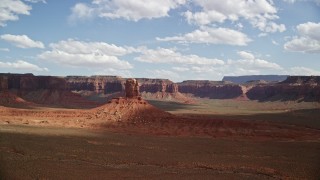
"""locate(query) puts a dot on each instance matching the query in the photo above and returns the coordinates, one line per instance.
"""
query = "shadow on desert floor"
(82, 154)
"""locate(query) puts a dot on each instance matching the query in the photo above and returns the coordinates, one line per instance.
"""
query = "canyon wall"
(111, 84)
(161, 89)
(29, 82)
(3, 83)
(27, 89)
(157, 85)
(210, 89)
(98, 84)
(302, 80)
(303, 88)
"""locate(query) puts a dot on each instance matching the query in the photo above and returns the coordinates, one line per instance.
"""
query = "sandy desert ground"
(220, 139)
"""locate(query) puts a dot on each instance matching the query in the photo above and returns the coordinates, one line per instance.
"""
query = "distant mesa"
(24, 90)
(302, 80)
(83, 91)
(251, 78)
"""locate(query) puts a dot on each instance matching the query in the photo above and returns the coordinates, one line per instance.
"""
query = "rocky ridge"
(27, 89)
(210, 89)
(56, 90)
(302, 88)
(98, 84)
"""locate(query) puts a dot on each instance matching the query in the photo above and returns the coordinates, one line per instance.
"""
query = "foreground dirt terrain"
(29, 152)
(133, 139)
(138, 116)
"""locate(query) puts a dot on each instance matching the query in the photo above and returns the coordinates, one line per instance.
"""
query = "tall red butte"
(131, 108)
(132, 88)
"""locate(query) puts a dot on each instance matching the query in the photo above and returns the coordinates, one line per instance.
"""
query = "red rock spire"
(132, 88)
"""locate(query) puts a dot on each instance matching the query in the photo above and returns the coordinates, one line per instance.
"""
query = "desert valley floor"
(160, 89)
(210, 139)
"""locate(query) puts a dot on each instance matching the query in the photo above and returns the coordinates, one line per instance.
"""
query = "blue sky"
(174, 39)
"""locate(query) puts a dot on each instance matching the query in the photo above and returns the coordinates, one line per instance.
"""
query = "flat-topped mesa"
(98, 84)
(132, 88)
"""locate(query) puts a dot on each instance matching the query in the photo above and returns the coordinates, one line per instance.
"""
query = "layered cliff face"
(3, 82)
(161, 89)
(27, 89)
(98, 84)
(157, 85)
(30, 82)
(302, 80)
(303, 88)
(210, 89)
(42, 82)
(56, 90)
(112, 84)
(107, 87)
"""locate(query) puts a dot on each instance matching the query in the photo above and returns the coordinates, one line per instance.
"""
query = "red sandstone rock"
(27, 89)
(3, 83)
(210, 89)
(98, 84)
(132, 88)
(302, 80)
(305, 88)
(154, 85)
(173, 88)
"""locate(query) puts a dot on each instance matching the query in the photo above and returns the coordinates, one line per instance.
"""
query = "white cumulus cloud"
(308, 40)
(170, 56)
(72, 46)
(246, 55)
(303, 71)
(87, 54)
(310, 29)
(211, 36)
(247, 63)
(250, 62)
(11, 9)
(22, 41)
(81, 11)
(132, 10)
(260, 13)
(19, 66)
